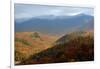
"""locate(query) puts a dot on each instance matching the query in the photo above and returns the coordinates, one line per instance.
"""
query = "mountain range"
(55, 25)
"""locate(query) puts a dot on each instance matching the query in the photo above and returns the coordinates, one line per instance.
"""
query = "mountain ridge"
(57, 25)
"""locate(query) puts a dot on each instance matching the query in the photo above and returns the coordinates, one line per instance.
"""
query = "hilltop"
(29, 43)
(76, 46)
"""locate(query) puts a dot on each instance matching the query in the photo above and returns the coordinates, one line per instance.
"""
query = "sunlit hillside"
(76, 46)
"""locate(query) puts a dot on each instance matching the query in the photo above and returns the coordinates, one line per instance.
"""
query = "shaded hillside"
(77, 46)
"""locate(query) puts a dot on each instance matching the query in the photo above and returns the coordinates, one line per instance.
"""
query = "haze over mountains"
(53, 34)
(51, 24)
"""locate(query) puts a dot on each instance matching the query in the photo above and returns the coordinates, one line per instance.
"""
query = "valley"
(37, 48)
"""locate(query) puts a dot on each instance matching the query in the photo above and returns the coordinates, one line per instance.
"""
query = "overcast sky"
(27, 11)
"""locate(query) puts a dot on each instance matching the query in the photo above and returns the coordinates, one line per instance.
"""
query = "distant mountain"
(51, 24)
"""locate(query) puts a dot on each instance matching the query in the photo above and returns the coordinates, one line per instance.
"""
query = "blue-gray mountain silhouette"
(56, 24)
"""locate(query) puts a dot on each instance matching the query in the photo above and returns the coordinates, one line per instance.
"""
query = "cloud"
(28, 11)
(73, 14)
(22, 15)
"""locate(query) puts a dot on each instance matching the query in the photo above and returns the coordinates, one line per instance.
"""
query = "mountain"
(73, 35)
(79, 47)
(51, 24)
(29, 43)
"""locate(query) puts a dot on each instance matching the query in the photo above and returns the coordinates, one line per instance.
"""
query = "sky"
(25, 11)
